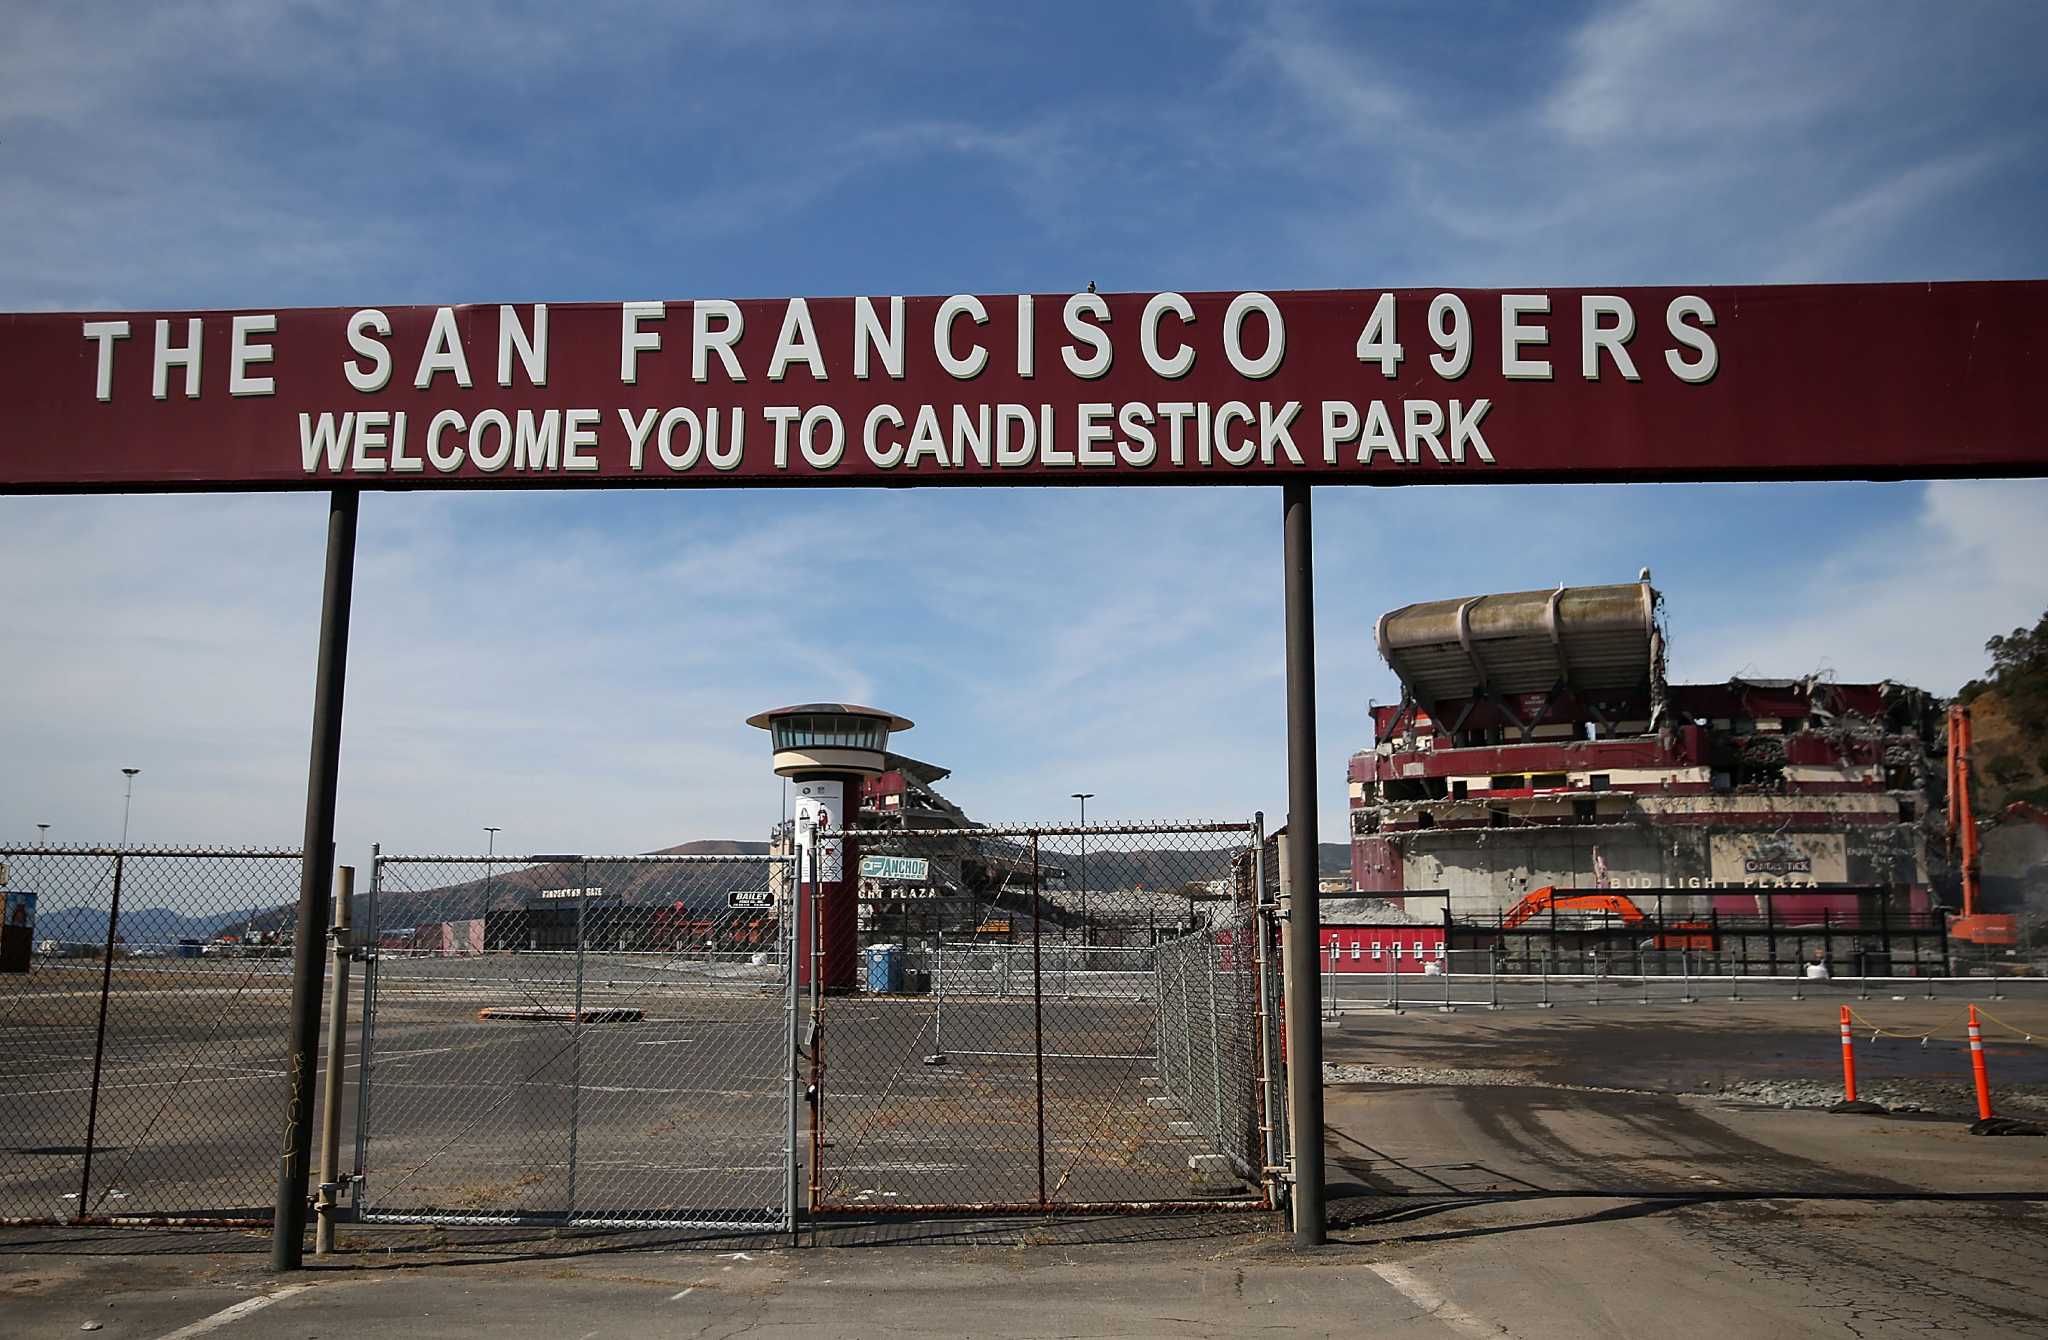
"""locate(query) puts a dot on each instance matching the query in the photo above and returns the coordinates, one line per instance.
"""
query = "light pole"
(127, 799)
(1083, 797)
(490, 850)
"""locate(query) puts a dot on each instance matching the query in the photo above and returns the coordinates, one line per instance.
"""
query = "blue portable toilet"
(885, 969)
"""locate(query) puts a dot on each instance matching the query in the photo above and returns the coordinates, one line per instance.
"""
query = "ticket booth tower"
(827, 750)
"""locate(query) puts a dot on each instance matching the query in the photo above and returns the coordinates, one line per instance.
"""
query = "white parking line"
(1411, 1287)
(154, 1084)
(229, 1315)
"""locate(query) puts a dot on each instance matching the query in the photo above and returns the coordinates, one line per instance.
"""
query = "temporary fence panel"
(1209, 1039)
(1017, 1062)
(597, 1041)
(144, 1001)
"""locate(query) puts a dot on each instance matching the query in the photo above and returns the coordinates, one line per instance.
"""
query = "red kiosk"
(827, 750)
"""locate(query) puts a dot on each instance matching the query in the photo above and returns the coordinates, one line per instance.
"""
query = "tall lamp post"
(490, 852)
(127, 800)
(1083, 797)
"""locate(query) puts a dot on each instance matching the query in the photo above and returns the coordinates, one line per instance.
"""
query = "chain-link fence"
(571, 1039)
(1210, 1041)
(1003, 1051)
(144, 1008)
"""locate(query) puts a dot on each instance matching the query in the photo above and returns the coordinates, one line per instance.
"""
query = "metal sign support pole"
(316, 883)
(1304, 929)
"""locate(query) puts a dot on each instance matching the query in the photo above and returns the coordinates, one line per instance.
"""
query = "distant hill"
(139, 925)
(426, 893)
(414, 894)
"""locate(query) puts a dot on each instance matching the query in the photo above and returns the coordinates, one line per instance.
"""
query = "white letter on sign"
(1595, 336)
(378, 375)
(106, 332)
(633, 340)
(703, 339)
(533, 353)
(443, 353)
(942, 336)
(1513, 335)
(1700, 369)
(167, 358)
(1183, 360)
(1266, 364)
(1089, 366)
(797, 343)
(241, 353)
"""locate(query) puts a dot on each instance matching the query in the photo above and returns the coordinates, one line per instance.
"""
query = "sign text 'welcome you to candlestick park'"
(1365, 386)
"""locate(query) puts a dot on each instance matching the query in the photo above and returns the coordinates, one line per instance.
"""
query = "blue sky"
(574, 667)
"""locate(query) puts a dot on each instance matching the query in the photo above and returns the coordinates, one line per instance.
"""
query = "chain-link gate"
(1033, 1008)
(599, 1041)
(144, 1005)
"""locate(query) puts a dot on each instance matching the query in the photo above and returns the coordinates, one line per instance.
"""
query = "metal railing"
(1476, 979)
(144, 996)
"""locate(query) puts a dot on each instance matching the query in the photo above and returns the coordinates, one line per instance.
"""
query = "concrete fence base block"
(1149, 1081)
(1180, 1128)
(1162, 1101)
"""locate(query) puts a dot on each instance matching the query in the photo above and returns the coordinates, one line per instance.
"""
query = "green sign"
(913, 868)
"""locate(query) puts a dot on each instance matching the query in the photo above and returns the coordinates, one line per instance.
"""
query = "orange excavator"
(1550, 898)
(1970, 925)
(1536, 902)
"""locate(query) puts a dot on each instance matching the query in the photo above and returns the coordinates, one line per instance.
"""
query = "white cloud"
(1912, 603)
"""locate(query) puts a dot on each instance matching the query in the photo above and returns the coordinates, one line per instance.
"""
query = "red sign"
(1465, 386)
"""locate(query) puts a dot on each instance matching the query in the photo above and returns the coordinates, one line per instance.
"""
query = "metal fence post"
(359, 1185)
(1544, 967)
(1394, 979)
(938, 1056)
(1329, 977)
(1640, 972)
(1038, 1016)
(576, 1035)
(1187, 1023)
(99, 1045)
(1685, 976)
(793, 1074)
(1492, 983)
(337, 1066)
(1215, 1043)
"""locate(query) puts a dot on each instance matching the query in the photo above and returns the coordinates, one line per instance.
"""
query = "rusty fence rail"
(144, 994)
(1002, 1049)
(578, 1040)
